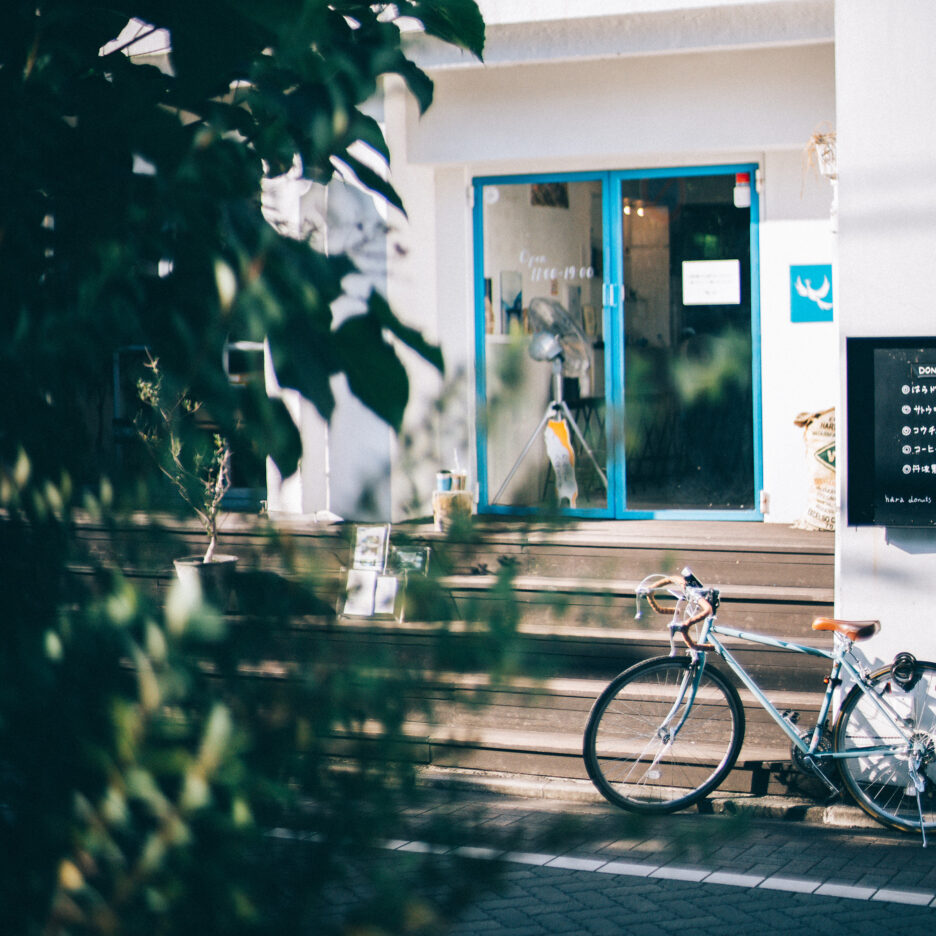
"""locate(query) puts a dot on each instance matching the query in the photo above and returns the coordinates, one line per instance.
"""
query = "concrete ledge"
(841, 815)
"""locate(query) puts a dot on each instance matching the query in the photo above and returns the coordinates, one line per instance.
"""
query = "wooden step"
(783, 611)
(536, 728)
(562, 706)
(718, 553)
(761, 767)
(549, 651)
(575, 585)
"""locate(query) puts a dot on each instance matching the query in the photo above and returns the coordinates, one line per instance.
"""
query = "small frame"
(360, 594)
(370, 547)
(409, 559)
(375, 586)
(590, 321)
(385, 596)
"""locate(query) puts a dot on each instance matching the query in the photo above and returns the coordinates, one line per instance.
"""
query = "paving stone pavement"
(591, 869)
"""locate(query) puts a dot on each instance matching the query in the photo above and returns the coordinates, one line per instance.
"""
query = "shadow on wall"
(914, 541)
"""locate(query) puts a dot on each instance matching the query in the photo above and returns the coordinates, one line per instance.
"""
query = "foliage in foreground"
(169, 770)
(148, 744)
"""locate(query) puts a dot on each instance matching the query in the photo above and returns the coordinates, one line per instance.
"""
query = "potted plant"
(197, 464)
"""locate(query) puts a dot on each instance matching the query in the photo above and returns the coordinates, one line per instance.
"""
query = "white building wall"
(615, 84)
(800, 371)
(628, 112)
(345, 468)
(800, 360)
(886, 76)
(522, 11)
(663, 110)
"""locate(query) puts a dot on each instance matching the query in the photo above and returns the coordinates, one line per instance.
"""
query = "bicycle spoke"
(883, 770)
(659, 739)
(667, 731)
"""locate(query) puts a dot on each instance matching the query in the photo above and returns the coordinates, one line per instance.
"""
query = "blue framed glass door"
(689, 341)
(617, 343)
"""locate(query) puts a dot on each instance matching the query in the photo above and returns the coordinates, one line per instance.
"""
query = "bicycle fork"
(667, 731)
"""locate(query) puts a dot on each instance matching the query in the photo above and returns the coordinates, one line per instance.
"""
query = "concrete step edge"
(839, 814)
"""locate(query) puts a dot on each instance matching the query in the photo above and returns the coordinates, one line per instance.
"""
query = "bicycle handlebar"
(690, 590)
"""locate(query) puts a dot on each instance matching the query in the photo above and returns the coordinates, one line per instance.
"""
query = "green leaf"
(419, 83)
(266, 428)
(207, 55)
(456, 21)
(380, 309)
(303, 360)
(372, 180)
(375, 375)
(368, 131)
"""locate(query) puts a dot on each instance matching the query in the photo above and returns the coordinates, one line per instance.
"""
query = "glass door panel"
(688, 395)
(542, 345)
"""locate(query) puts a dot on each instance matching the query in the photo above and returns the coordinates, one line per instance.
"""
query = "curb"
(790, 809)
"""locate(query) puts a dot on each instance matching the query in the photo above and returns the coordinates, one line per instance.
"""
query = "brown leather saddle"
(853, 630)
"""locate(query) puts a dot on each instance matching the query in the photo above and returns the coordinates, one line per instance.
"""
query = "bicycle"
(667, 731)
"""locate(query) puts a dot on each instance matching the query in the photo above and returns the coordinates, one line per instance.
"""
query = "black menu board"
(904, 436)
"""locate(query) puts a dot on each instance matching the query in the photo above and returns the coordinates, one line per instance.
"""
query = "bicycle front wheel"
(663, 735)
(880, 769)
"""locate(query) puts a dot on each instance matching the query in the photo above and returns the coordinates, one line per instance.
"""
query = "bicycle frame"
(711, 631)
(893, 737)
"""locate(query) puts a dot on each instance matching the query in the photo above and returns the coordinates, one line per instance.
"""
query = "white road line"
(528, 858)
(920, 898)
(831, 889)
(570, 863)
(793, 884)
(778, 882)
(672, 873)
(733, 879)
(630, 868)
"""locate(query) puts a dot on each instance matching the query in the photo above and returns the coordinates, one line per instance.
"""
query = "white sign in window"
(711, 282)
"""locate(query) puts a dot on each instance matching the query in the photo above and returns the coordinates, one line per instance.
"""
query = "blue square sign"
(811, 293)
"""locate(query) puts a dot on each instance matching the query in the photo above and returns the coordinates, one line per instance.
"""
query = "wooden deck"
(575, 585)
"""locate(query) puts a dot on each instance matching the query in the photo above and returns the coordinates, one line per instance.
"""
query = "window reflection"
(542, 278)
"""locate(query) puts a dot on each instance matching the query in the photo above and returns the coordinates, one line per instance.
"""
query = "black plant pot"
(213, 581)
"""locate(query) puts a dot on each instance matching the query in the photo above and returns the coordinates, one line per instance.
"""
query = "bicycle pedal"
(791, 716)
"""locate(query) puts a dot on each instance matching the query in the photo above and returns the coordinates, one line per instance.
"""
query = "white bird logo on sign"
(815, 295)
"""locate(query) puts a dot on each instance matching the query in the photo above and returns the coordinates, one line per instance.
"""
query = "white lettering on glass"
(541, 269)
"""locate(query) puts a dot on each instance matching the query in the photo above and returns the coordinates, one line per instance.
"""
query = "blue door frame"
(613, 329)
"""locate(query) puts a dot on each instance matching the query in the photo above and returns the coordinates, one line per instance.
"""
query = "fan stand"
(556, 407)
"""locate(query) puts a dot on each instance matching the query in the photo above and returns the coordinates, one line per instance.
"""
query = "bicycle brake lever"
(690, 579)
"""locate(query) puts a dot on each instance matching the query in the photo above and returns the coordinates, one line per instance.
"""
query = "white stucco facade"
(626, 86)
(885, 76)
(593, 85)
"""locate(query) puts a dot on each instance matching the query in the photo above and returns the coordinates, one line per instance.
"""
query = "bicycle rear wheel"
(659, 740)
(878, 774)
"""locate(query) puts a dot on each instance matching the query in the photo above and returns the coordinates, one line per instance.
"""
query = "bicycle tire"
(881, 783)
(631, 763)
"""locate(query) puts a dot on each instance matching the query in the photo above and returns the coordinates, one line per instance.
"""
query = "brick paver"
(692, 873)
